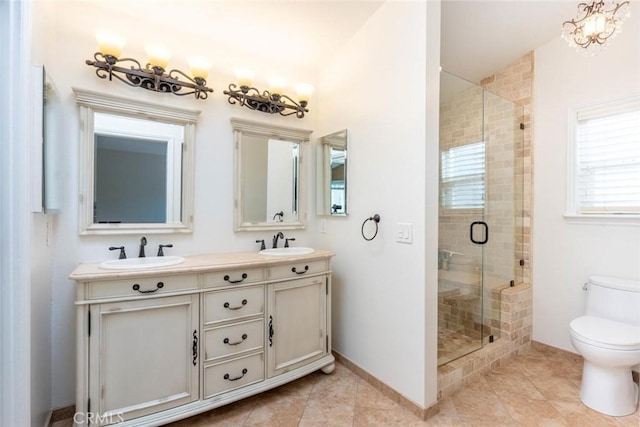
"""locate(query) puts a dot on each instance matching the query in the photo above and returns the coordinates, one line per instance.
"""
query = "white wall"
(565, 254)
(376, 88)
(72, 42)
(385, 317)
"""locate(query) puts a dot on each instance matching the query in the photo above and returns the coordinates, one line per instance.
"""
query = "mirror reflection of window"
(137, 171)
(130, 180)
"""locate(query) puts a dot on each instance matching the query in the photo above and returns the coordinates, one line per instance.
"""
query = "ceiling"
(478, 36)
(298, 33)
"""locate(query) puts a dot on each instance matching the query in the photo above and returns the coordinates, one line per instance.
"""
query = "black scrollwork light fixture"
(271, 101)
(153, 76)
(595, 23)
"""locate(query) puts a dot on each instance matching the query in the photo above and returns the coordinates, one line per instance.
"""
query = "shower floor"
(453, 344)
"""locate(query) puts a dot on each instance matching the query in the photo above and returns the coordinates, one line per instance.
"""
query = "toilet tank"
(614, 298)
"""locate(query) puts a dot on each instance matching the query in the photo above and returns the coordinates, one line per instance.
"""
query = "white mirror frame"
(91, 102)
(243, 127)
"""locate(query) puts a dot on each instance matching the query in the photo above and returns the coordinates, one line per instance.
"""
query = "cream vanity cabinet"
(159, 345)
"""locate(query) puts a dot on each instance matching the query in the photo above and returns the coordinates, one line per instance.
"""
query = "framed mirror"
(331, 191)
(136, 166)
(269, 176)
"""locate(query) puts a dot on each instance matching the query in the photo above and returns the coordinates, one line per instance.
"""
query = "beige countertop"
(194, 264)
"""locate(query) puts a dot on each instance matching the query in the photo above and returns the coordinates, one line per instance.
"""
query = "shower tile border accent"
(419, 411)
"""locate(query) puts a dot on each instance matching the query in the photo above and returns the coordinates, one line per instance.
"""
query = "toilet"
(608, 338)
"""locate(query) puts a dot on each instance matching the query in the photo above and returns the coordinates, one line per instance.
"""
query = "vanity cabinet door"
(296, 323)
(144, 355)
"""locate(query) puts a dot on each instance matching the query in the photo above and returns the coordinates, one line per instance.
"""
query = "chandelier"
(153, 76)
(594, 24)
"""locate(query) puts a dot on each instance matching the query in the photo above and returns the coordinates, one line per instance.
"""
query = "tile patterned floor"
(454, 344)
(533, 389)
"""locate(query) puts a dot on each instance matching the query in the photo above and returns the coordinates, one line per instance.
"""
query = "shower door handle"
(486, 232)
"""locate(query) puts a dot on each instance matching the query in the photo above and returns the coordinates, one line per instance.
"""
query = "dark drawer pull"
(226, 376)
(306, 268)
(244, 302)
(226, 340)
(227, 278)
(136, 287)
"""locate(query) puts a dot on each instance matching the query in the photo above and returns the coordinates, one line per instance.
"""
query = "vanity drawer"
(233, 374)
(233, 277)
(298, 269)
(233, 304)
(237, 338)
(142, 286)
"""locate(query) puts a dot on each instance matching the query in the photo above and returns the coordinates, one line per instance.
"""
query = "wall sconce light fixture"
(153, 76)
(595, 23)
(269, 101)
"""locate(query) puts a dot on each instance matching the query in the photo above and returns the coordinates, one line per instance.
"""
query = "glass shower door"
(503, 134)
(480, 197)
(462, 194)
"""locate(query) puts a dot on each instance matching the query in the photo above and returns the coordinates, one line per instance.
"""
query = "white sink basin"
(141, 263)
(286, 251)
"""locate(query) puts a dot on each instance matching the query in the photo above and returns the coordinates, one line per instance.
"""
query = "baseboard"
(419, 411)
(61, 414)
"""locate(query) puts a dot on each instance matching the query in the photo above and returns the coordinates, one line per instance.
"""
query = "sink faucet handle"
(262, 245)
(123, 255)
(160, 251)
(286, 241)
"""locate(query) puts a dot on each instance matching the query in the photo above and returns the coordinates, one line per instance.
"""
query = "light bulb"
(158, 56)
(245, 77)
(304, 91)
(109, 43)
(276, 85)
(200, 66)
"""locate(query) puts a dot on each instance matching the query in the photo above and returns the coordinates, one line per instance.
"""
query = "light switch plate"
(405, 233)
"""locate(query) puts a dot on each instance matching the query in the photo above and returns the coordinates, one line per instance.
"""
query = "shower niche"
(480, 213)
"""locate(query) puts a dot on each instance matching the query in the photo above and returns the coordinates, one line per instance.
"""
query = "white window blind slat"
(462, 177)
(608, 158)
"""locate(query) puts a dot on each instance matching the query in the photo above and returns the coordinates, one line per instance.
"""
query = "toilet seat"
(605, 333)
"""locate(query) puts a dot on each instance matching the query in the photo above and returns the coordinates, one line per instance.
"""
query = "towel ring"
(376, 220)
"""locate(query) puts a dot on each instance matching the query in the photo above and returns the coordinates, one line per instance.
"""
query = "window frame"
(572, 212)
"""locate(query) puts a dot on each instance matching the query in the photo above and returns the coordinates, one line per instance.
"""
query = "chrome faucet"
(275, 239)
(143, 243)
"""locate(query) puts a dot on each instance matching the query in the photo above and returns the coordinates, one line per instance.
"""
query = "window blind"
(462, 184)
(608, 159)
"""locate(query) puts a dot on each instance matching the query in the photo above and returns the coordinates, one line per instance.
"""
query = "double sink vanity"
(163, 338)
(161, 342)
